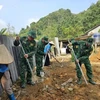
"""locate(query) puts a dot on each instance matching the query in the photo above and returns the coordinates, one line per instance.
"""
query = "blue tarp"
(96, 35)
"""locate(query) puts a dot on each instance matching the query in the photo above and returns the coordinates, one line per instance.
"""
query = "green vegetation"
(64, 24)
(9, 31)
(3, 31)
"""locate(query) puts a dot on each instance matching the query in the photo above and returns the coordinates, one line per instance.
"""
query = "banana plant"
(3, 31)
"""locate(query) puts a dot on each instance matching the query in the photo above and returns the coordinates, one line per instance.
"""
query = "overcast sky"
(20, 13)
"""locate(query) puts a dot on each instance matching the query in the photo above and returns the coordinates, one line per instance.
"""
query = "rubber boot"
(30, 83)
(11, 97)
(92, 82)
(23, 85)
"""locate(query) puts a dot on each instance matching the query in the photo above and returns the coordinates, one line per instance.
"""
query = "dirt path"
(60, 83)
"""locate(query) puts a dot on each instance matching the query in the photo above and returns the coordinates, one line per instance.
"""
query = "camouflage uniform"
(30, 49)
(75, 48)
(85, 49)
(39, 55)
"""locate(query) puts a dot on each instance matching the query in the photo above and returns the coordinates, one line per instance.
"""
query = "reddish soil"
(60, 83)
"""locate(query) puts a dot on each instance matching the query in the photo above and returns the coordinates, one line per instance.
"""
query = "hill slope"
(64, 24)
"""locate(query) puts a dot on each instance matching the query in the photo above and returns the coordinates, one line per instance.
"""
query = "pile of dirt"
(60, 83)
(95, 57)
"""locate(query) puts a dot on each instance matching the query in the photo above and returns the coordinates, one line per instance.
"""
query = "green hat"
(32, 33)
(90, 40)
(45, 39)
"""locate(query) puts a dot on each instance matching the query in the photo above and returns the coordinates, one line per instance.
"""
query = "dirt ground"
(60, 82)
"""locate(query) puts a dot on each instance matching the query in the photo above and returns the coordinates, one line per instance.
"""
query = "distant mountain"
(64, 24)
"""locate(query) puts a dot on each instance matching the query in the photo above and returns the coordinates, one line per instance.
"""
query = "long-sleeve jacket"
(75, 45)
(40, 49)
(84, 49)
(47, 48)
(28, 46)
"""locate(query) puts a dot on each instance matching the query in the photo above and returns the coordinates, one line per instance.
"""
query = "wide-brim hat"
(51, 42)
(5, 56)
(90, 40)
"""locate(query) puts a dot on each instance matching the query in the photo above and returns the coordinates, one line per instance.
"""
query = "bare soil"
(60, 82)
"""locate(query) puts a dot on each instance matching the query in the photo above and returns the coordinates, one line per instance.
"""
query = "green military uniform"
(39, 55)
(30, 49)
(85, 49)
(75, 48)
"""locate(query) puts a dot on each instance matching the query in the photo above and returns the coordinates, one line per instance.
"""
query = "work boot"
(23, 85)
(30, 83)
(11, 97)
(79, 81)
(92, 82)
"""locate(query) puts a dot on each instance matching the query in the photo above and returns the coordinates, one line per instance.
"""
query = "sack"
(5, 56)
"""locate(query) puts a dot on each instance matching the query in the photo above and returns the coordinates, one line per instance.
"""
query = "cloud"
(32, 20)
(2, 24)
(1, 7)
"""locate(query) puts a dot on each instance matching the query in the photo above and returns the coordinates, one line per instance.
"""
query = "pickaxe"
(57, 60)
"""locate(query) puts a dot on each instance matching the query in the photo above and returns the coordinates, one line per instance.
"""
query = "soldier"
(39, 55)
(29, 46)
(85, 49)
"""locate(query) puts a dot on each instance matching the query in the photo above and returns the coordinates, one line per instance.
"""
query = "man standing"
(85, 49)
(29, 46)
(7, 85)
(5, 59)
(39, 55)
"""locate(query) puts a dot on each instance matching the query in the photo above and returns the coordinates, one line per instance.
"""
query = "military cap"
(90, 40)
(32, 33)
(45, 39)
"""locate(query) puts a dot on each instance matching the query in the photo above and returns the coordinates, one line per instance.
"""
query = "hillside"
(64, 24)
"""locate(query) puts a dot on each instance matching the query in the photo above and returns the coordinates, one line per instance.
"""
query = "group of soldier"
(81, 48)
(29, 48)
